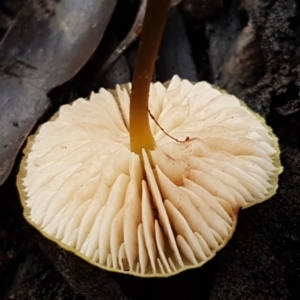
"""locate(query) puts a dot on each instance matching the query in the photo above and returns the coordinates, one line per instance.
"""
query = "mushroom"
(153, 203)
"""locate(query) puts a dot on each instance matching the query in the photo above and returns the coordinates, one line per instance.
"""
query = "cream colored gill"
(160, 212)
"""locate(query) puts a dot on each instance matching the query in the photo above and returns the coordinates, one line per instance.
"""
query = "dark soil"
(252, 49)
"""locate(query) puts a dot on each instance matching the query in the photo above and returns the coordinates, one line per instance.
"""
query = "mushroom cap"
(160, 212)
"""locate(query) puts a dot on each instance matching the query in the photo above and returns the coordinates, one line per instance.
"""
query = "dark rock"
(89, 281)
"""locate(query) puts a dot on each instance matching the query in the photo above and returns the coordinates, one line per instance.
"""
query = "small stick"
(167, 134)
(133, 34)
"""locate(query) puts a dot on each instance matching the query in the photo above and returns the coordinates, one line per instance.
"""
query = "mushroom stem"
(154, 23)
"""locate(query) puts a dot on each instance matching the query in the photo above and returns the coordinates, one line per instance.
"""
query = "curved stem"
(153, 27)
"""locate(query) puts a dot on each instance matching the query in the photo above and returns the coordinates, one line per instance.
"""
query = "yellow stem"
(153, 27)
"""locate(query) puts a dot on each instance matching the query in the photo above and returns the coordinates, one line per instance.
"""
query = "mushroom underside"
(158, 212)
